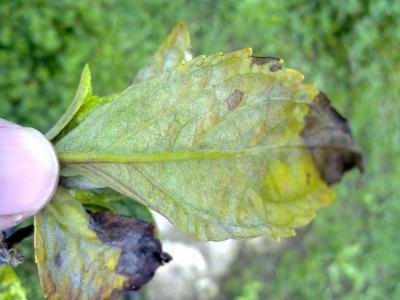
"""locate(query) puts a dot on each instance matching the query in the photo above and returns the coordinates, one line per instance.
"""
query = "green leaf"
(175, 49)
(97, 256)
(84, 90)
(218, 145)
(101, 199)
(10, 285)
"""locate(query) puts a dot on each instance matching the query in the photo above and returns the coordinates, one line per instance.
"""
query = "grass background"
(351, 49)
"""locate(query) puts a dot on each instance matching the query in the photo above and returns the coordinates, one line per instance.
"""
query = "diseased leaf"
(84, 90)
(10, 285)
(175, 49)
(82, 256)
(216, 145)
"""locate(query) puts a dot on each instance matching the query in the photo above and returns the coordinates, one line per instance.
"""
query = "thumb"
(28, 172)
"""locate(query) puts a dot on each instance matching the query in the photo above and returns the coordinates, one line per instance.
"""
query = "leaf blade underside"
(222, 103)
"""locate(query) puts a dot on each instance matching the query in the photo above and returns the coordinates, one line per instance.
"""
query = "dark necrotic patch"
(328, 137)
(274, 62)
(141, 252)
(234, 99)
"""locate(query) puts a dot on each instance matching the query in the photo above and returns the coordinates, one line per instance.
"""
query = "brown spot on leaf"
(141, 253)
(275, 62)
(234, 99)
(328, 136)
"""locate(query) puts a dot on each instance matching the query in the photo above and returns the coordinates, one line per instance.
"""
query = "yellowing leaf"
(82, 256)
(10, 285)
(175, 49)
(216, 145)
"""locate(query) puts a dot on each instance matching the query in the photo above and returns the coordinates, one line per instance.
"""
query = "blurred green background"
(351, 49)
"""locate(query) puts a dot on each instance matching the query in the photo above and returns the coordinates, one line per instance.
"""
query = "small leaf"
(84, 90)
(175, 49)
(10, 285)
(102, 199)
(82, 256)
(216, 145)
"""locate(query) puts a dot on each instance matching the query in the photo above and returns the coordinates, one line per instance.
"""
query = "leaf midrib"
(68, 157)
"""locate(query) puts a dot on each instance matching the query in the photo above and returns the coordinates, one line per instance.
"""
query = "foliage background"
(351, 49)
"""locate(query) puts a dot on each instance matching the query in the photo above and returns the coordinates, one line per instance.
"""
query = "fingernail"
(28, 171)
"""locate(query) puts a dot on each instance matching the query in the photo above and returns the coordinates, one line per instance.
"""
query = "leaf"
(84, 90)
(82, 256)
(118, 204)
(10, 285)
(175, 49)
(215, 145)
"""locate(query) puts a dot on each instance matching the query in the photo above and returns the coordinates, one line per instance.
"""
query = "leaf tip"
(181, 26)
(86, 78)
(328, 136)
